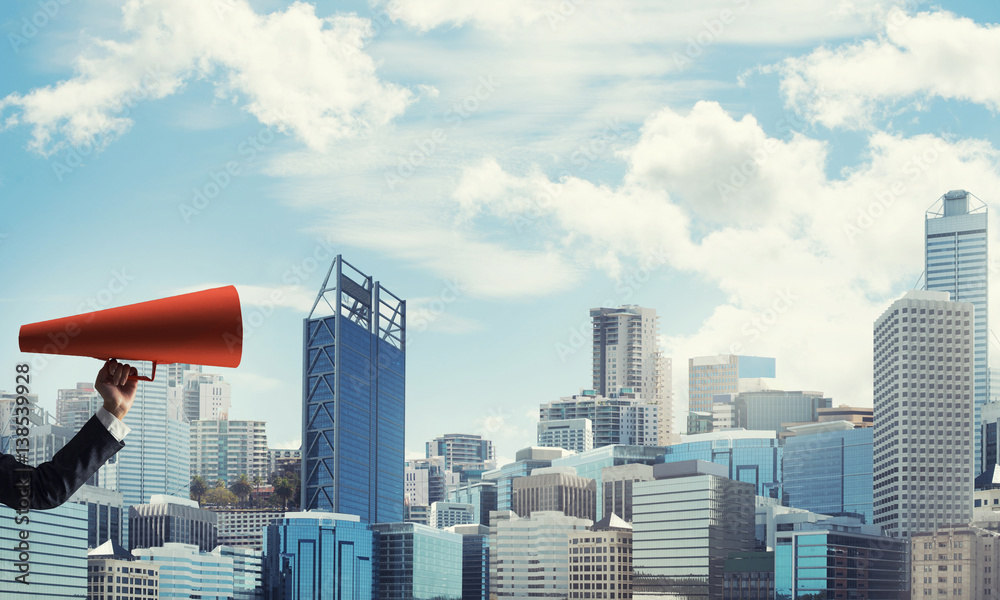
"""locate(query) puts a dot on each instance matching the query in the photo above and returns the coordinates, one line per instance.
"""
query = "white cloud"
(807, 262)
(916, 57)
(321, 87)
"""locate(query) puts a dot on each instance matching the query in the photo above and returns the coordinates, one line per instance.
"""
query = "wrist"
(116, 411)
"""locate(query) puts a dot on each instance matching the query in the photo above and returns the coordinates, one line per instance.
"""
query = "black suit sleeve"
(52, 483)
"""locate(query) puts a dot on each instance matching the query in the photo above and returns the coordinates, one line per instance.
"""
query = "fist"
(114, 385)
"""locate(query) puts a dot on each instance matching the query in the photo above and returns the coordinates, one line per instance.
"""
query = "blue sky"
(757, 172)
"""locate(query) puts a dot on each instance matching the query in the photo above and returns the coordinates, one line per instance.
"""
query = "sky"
(755, 170)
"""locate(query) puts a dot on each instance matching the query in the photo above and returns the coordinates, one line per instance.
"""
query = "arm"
(50, 484)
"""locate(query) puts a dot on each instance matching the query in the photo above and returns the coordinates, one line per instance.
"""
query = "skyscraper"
(627, 360)
(956, 261)
(463, 451)
(709, 376)
(353, 398)
(923, 454)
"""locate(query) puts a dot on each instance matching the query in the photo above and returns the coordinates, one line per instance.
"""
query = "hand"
(116, 388)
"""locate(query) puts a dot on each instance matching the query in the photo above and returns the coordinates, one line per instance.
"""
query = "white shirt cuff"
(116, 428)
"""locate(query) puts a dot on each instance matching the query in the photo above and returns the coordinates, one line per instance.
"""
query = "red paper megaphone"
(201, 328)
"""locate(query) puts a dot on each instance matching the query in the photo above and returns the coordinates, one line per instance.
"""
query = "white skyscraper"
(205, 396)
(627, 360)
(923, 455)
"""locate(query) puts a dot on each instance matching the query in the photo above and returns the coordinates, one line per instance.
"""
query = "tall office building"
(769, 409)
(600, 561)
(417, 562)
(923, 457)
(170, 519)
(475, 560)
(319, 556)
(525, 461)
(591, 464)
(529, 556)
(482, 495)
(555, 489)
(223, 449)
(956, 261)
(709, 376)
(48, 550)
(75, 406)
(827, 469)
(156, 458)
(627, 359)
(572, 434)
(685, 524)
(186, 572)
(205, 396)
(353, 362)
(748, 456)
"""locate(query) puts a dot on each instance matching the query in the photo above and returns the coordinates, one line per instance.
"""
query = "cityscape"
(566, 300)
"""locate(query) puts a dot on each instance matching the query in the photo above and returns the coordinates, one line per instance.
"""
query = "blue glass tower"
(956, 261)
(353, 398)
(750, 456)
(830, 472)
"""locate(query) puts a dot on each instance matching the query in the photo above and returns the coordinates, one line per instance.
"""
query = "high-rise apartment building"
(223, 449)
(956, 261)
(627, 360)
(463, 451)
(621, 419)
(923, 456)
(205, 396)
(709, 376)
(353, 398)
(572, 434)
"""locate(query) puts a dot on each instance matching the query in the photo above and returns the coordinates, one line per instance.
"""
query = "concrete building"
(168, 519)
(426, 480)
(284, 459)
(75, 406)
(748, 576)
(986, 508)
(186, 572)
(592, 464)
(625, 419)
(353, 398)
(446, 514)
(45, 555)
(206, 397)
(482, 495)
(572, 434)
(418, 562)
(318, 556)
(627, 359)
(956, 261)
(223, 449)
(618, 482)
(244, 527)
(463, 451)
(529, 556)
(108, 564)
(955, 562)
(552, 489)
(600, 560)
(417, 513)
(690, 504)
(525, 461)
(709, 376)
(923, 445)
(766, 410)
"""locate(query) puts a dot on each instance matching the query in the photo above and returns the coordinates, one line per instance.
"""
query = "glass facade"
(752, 460)
(475, 567)
(505, 475)
(709, 376)
(418, 562)
(482, 495)
(956, 261)
(186, 573)
(353, 397)
(318, 556)
(830, 473)
(824, 565)
(589, 464)
(54, 548)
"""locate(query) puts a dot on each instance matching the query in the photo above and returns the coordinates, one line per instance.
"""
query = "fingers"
(116, 373)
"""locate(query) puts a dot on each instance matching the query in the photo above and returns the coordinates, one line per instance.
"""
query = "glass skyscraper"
(353, 398)
(417, 562)
(829, 472)
(49, 547)
(749, 456)
(956, 261)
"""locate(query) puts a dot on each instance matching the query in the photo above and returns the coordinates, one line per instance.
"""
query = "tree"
(198, 488)
(284, 489)
(220, 497)
(241, 487)
(257, 482)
